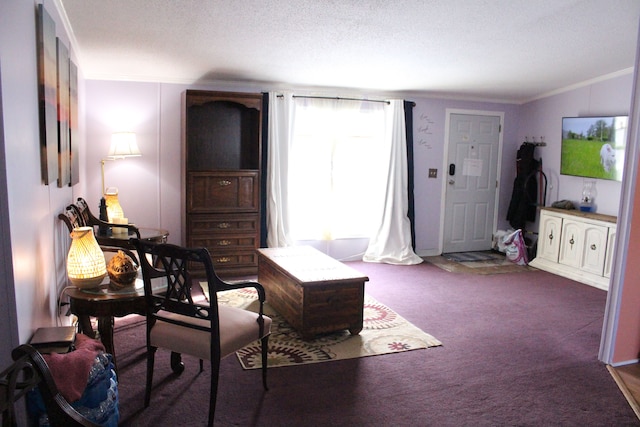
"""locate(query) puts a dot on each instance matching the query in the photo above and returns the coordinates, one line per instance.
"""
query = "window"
(334, 180)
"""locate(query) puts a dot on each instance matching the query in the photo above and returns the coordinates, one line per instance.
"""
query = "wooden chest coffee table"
(312, 291)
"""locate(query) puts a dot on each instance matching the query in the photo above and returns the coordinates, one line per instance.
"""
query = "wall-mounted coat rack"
(535, 143)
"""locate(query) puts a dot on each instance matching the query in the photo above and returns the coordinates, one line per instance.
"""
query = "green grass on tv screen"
(582, 158)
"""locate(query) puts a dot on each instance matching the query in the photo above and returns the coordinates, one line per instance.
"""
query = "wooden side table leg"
(84, 323)
(105, 327)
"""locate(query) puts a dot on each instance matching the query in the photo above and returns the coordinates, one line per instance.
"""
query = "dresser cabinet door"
(594, 249)
(611, 244)
(222, 192)
(571, 243)
(549, 239)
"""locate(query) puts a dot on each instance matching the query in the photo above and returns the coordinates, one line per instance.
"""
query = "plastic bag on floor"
(515, 248)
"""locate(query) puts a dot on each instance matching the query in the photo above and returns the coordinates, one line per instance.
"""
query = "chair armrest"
(227, 286)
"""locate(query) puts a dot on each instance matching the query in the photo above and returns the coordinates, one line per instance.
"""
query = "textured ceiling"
(508, 50)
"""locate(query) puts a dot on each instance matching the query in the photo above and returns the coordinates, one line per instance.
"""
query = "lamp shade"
(114, 210)
(85, 263)
(123, 144)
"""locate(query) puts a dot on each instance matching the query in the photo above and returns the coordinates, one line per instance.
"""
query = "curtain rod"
(336, 98)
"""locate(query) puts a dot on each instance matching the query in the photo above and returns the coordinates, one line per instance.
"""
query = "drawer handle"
(224, 243)
(224, 182)
(223, 260)
(571, 242)
(551, 236)
(593, 247)
(224, 225)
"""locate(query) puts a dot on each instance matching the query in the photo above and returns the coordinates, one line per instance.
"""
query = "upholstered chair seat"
(237, 328)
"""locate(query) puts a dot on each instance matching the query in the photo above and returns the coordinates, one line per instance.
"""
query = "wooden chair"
(206, 331)
(88, 219)
(71, 218)
(29, 371)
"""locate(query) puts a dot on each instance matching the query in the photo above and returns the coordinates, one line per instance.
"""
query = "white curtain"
(281, 115)
(334, 168)
(391, 243)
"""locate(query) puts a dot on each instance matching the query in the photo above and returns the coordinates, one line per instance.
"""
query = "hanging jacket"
(522, 207)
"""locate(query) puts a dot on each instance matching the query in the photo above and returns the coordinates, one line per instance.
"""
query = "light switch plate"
(433, 173)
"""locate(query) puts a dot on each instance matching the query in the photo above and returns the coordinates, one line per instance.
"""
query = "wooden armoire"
(223, 133)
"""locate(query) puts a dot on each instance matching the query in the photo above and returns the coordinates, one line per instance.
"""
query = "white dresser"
(577, 245)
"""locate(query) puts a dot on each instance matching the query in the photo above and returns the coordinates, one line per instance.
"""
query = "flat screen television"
(593, 147)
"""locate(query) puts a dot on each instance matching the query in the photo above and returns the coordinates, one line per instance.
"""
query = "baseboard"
(624, 363)
(625, 390)
(428, 252)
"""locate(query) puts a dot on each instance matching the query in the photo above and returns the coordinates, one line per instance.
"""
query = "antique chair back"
(71, 218)
(205, 330)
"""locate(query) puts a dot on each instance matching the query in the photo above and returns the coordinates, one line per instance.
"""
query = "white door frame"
(445, 166)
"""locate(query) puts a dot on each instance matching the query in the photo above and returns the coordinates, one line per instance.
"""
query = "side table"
(105, 304)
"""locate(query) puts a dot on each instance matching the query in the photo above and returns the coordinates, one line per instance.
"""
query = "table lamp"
(123, 145)
(86, 267)
(114, 210)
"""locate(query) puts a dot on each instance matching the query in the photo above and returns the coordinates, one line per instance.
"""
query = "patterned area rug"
(384, 332)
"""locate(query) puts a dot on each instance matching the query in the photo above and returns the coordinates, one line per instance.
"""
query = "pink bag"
(515, 248)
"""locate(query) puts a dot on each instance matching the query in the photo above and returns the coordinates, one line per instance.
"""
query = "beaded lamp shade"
(114, 210)
(85, 263)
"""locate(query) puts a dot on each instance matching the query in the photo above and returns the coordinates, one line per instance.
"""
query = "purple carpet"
(518, 349)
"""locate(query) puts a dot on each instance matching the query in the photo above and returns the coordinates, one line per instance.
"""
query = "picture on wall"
(64, 154)
(73, 123)
(47, 94)
(593, 147)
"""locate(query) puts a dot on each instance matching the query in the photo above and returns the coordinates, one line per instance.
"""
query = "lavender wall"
(38, 244)
(429, 142)
(150, 186)
(544, 118)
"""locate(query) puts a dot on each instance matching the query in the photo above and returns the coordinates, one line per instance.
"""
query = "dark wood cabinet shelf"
(222, 194)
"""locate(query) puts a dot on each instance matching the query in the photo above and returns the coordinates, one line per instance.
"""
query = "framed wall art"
(73, 123)
(64, 154)
(48, 95)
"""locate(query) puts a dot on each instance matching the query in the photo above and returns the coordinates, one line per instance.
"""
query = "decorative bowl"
(122, 271)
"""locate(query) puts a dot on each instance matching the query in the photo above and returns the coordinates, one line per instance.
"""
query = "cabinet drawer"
(226, 242)
(231, 263)
(224, 191)
(223, 224)
(233, 258)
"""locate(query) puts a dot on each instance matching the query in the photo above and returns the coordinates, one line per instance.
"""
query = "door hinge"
(499, 128)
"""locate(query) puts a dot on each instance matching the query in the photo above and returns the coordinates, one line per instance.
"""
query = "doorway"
(472, 160)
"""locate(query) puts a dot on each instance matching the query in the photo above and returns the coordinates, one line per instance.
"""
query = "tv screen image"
(593, 147)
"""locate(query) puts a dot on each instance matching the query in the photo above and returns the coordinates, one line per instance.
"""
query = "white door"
(471, 182)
